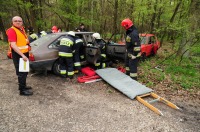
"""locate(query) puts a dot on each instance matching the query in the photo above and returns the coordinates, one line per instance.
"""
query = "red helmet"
(127, 23)
(54, 29)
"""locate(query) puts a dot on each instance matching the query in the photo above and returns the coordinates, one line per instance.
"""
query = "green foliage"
(2, 43)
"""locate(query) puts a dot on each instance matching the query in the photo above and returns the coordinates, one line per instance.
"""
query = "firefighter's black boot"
(25, 92)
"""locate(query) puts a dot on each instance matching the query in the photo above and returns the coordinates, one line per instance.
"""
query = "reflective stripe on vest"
(65, 54)
(23, 47)
(22, 40)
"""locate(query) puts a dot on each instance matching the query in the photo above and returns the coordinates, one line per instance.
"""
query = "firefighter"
(32, 37)
(77, 48)
(132, 48)
(101, 62)
(35, 36)
(66, 55)
(54, 29)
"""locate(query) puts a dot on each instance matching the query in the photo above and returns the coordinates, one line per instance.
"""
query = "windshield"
(143, 40)
(44, 39)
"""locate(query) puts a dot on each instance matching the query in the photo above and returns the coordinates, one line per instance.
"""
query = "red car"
(149, 46)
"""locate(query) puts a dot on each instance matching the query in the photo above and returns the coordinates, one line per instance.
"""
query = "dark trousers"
(67, 64)
(21, 75)
(131, 65)
(77, 63)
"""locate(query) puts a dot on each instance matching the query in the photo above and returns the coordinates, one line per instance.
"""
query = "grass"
(3, 46)
(185, 74)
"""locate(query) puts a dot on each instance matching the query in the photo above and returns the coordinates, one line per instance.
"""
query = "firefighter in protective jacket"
(66, 55)
(101, 62)
(132, 48)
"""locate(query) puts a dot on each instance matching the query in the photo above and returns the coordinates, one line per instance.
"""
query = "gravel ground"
(59, 105)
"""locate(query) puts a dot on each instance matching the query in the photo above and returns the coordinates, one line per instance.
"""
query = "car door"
(92, 51)
(52, 53)
(147, 46)
(115, 50)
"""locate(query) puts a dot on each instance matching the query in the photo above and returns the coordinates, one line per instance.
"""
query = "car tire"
(143, 57)
(56, 68)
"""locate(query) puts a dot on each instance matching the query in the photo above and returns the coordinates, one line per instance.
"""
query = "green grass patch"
(184, 73)
(2, 43)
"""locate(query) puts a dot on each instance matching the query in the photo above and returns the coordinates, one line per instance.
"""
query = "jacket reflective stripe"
(70, 73)
(77, 64)
(34, 36)
(82, 56)
(133, 74)
(23, 47)
(103, 55)
(63, 72)
(97, 64)
(65, 54)
(137, 48)
(66, 42)
(43, 33)
(103, 65)
(79, 40)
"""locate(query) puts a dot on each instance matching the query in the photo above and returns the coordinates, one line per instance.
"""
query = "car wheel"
(143, 56)
(56, 68)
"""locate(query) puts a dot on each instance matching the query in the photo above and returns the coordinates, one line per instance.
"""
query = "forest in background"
(176, 21)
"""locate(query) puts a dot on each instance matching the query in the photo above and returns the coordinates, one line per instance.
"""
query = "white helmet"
(96, 36)
(71, 33)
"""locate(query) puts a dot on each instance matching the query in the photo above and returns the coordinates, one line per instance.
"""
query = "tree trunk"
(153, 17)
(115, 20)
(2, 29)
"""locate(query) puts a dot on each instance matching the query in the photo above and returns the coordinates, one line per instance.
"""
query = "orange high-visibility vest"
(22, 40)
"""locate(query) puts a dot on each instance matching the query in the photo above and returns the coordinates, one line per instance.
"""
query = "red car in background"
(149, 46)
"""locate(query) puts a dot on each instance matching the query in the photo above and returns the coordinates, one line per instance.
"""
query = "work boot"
(25, 92)
(27, 88)
(134, 78)
(63, 76)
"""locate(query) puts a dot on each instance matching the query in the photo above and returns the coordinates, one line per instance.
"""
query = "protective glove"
(133, 57)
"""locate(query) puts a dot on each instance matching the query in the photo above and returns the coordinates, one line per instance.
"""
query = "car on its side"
(44, 51)
(149, 46)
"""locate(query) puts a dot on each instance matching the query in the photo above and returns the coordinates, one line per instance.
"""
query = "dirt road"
(61, 106)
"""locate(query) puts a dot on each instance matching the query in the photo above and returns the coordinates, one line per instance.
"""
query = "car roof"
(63, 33)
